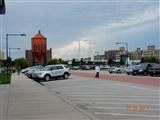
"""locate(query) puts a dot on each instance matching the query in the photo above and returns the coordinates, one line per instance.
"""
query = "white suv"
(52, 71)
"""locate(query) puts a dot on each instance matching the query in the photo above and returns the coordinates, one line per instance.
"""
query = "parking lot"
(108, 99)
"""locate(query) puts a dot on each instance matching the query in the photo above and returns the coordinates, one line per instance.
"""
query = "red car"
(154, 70)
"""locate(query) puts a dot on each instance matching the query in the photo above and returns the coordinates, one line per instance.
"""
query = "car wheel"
(47, 77)
(119, 71)
(151, 74)
(66, 76)
(133, 74)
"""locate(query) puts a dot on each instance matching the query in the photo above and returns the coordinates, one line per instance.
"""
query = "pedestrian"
(97, 69)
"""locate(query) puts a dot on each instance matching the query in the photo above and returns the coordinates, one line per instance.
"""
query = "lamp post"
(79, 49)
(7, 35)
(125, 43)
(12, 49)
(90, 47)
(97, 54)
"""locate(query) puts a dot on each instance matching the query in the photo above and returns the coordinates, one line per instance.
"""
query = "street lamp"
(90, 47)
(97, 54)
(125, 43)
(79, 49)
(7, 35)
(12, 49)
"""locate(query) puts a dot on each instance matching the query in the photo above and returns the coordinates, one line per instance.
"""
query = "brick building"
(151, 51)
(39, 55)
(114, 54)
(133, 56)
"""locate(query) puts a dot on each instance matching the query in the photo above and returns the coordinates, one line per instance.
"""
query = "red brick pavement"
(146, 80)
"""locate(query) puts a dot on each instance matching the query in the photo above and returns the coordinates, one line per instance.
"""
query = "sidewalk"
(4, 95)
(28, 100)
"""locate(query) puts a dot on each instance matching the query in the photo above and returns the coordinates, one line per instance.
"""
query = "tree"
(22, 63)
(73, 62)
(110, 61)
(81, 61)
(1, 62)
(150, 59)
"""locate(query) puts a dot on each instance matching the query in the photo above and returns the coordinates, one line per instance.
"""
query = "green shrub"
(5, 79)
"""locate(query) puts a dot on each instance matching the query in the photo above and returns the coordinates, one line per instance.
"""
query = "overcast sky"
(64, 23)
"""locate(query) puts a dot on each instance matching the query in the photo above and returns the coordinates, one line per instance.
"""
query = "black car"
(142, 69)
(154, 70)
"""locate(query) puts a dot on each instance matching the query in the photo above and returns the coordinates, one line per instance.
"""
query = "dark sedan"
(154, 70)
(142, 69)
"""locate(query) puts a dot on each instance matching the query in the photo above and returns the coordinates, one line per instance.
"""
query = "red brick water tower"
(39, 48)
(39, 55)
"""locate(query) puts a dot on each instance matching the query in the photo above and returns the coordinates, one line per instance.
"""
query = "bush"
(150, 59)
(4, 79)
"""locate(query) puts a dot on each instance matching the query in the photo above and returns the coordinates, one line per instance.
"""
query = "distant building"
(1, 54)
(151, 51)
(39, 55)
(114, 54)
(135, 55)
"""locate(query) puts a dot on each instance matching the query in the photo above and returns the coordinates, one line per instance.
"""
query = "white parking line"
(114, 93)
(119, 99)
(119, 103)
(119, 108)
(139, 87)
(120, 114)
(110, 93)
(111, 96)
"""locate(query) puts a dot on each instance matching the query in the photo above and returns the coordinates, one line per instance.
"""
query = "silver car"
(52, 71)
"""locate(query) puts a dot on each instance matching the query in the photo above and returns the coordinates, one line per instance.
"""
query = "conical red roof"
(39, 35)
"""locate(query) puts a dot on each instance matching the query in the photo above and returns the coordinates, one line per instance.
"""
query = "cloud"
(71, 50)
(104, 36)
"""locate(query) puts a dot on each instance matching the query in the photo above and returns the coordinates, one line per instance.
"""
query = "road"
(108, 99)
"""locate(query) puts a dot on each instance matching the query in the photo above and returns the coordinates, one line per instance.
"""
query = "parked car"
(52, 71)
(75, 68)
(154, 70)
(142, 69)
(130, 69)
(26, 70)
(105, 67)
(117, 70)
(85, 67)
(30, 70)
(112, 69)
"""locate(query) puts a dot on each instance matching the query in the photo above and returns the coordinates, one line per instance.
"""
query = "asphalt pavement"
(78, 98)
(26, 99)
(108, 99)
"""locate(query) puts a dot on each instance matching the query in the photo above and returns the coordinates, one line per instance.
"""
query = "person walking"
(97, 69)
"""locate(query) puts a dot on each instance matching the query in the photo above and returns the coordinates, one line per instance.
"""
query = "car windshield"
(143, 65)
(66, 66)
(46, 68)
